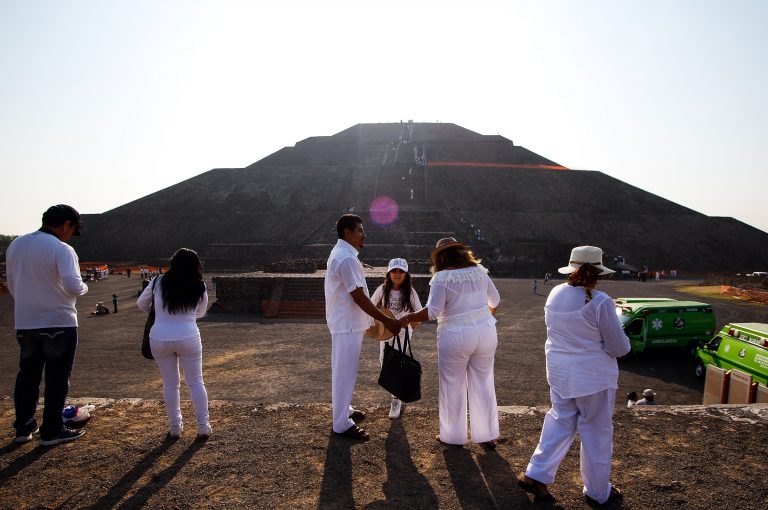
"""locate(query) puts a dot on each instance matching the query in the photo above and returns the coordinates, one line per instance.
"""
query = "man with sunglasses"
(44, 279)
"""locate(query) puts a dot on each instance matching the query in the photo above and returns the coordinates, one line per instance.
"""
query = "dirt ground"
(283, 456)
(264, 455)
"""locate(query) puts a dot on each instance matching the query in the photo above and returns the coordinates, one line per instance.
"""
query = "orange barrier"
(494, 165)
(752, 295)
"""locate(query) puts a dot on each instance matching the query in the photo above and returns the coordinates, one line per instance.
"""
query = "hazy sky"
(103, 102)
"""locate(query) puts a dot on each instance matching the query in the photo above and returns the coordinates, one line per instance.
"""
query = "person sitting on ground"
(649, 398)
(631, 398)
(100, 309)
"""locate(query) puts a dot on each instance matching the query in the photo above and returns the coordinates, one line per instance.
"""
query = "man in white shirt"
(348, 312)
(44, 280)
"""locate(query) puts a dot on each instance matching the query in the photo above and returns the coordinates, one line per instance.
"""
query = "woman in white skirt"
(463, 299)
(180, 298)
(584, 338)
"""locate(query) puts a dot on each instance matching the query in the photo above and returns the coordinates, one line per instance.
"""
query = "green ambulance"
(662, 323)
(743, 346)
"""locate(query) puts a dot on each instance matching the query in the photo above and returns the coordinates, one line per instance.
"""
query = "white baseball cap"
(397, 264)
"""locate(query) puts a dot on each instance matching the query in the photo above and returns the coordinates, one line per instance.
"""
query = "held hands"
(404, 321)
(392, 325)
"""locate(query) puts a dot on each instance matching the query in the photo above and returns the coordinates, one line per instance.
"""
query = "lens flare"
(384, 211)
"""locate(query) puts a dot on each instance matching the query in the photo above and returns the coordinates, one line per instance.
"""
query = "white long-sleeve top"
(44, 280)
(461, 297)
(583, 342)
(177, 326)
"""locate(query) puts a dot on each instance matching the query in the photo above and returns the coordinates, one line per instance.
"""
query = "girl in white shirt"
(463, 299)
(180, 298)
(398, 296)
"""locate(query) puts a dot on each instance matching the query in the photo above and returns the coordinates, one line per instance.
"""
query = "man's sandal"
(491, 445)
(354, 432)
(437, 437)
(538, 489)
(615, 494)
(357, 416)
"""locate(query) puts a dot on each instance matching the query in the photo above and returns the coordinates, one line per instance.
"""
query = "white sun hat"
(585, 255)
(397, 264)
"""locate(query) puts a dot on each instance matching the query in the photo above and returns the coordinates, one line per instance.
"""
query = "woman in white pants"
(463, 299)
(180, 297)
(584, 338)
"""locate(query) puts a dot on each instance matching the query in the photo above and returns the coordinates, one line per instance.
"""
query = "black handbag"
(146, 349)
(400, 372)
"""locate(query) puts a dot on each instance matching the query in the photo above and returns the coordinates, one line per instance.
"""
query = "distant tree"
(4, 242)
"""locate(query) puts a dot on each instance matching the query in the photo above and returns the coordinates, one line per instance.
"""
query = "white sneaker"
(394, 408)
(204, 431)
(174, 432)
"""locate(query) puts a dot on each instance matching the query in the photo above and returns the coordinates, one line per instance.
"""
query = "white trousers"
(465, 370)
(345, 357)
(189, 352)
(590, 415)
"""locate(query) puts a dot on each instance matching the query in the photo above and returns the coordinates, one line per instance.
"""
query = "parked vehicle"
(627, 300)
(743, 346)
(660, 323)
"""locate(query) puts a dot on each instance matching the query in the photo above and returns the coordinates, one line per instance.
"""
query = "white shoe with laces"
(394, 408)
(174, 431)
(204, 431)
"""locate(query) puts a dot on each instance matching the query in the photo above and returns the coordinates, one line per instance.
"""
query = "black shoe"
(25, 437)
(535, 487)
(615, 495)
(354, 432)
(66, 434)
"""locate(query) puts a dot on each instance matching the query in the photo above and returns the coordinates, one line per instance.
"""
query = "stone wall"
(289, 294)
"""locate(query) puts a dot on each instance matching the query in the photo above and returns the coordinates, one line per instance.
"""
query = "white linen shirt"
(178, 326)
(583, 342)
(344, 274)
(461, 297)
(44, 280)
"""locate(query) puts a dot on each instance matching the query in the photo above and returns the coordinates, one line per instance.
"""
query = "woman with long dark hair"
(584, 338)
(463, 299)
(180, 298)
